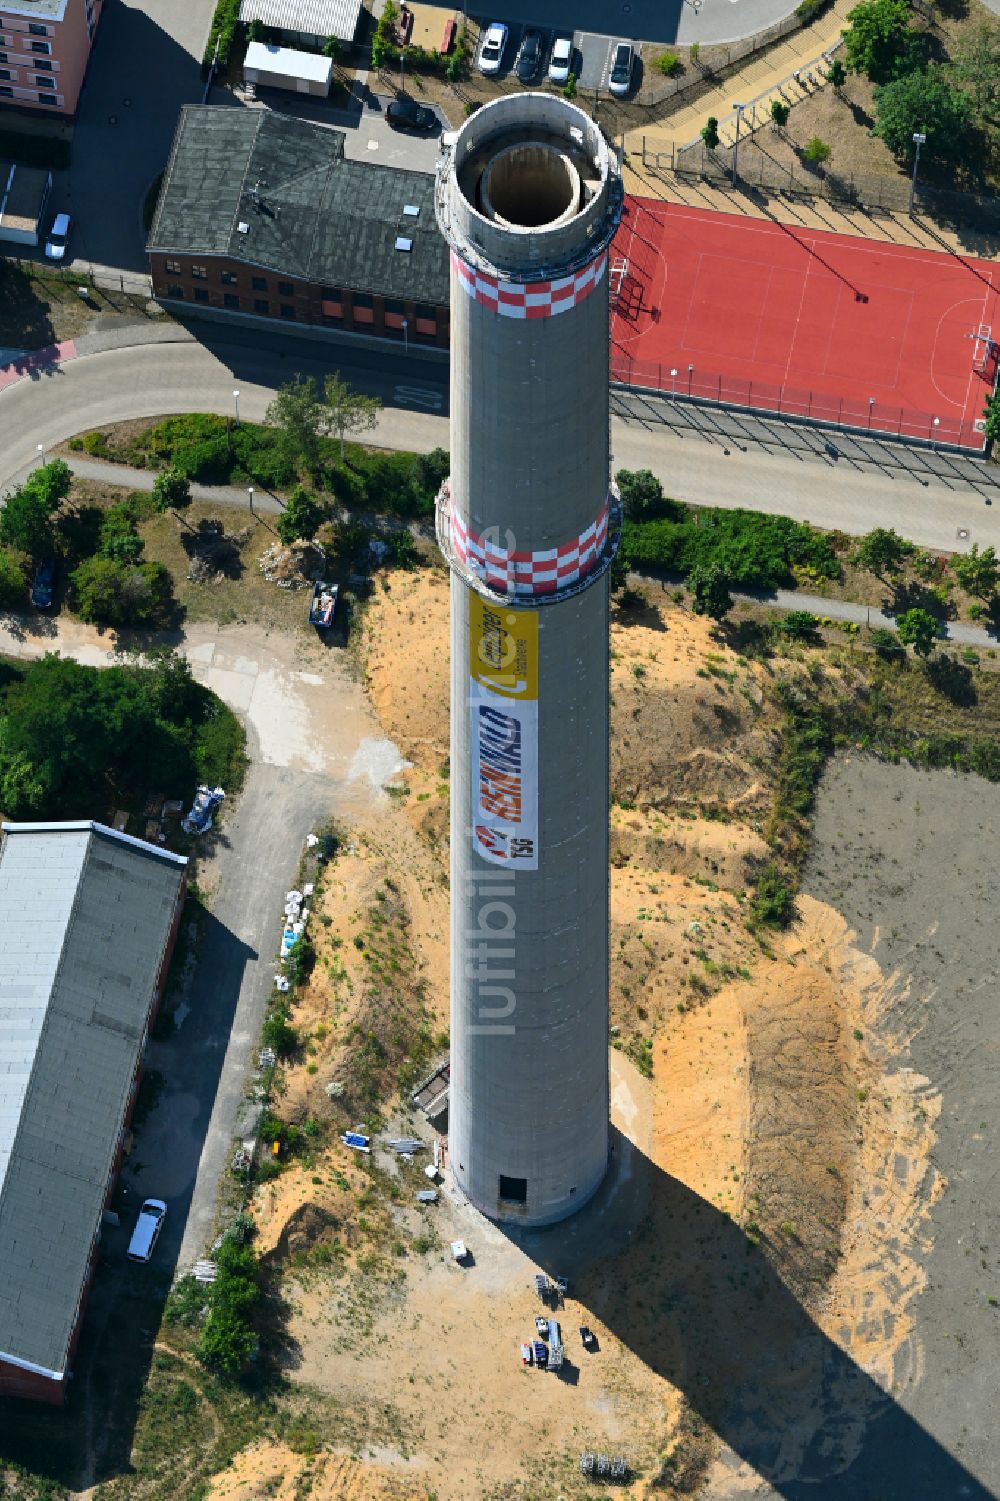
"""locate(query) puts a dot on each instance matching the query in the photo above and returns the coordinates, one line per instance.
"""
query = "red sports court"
(782, 318)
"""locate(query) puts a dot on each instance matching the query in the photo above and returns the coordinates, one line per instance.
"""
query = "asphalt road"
(145, 64)
(704, 456)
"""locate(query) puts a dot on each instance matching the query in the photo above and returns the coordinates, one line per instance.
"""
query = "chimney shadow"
(696, 1298)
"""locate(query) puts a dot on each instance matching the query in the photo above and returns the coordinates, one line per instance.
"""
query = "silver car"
(561, 61)
(622, 63)
(491, 52)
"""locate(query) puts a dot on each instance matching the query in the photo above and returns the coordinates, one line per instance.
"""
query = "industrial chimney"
(528, 198)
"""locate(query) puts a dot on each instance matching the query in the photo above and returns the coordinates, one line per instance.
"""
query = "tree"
(880, 42)
(255, 31)
(779, 113)
(13, 583)
(800, 625)
(297, 412)
(976, 63)
(27, 520)
(641, 494)
(430, 470)
(347, 411)
(108, 592)
(978, 572)
(302, 517)
(621, 567)
(919, 629)
(837, 74)
(171, 491)
(991, 416)
(885, 643)
(816, 152)
(710, 133)
(928, 103)
(881, 552)
(710, 592)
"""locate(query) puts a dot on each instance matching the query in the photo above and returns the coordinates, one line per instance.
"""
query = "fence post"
(644, 151)
(718, 397)
(809, 408)
(840, 413)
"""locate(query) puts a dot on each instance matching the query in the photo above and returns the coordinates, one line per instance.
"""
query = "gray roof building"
(276, 192)
(87, 918)
(319, 18)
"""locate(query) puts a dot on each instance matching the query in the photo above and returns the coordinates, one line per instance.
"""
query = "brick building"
(89, 918)
(44, 50)
(261, 214)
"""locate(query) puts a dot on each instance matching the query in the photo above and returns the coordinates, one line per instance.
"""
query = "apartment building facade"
(44, 50)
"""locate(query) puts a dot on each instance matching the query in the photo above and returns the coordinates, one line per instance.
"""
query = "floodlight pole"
(236, 398)
(406, 336)
(673, 385)
(918, 140)
(250, 493)
(739, 108)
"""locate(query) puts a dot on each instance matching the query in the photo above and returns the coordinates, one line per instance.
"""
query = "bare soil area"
(749, 1266)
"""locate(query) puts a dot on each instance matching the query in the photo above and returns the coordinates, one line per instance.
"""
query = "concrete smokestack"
(528, 197)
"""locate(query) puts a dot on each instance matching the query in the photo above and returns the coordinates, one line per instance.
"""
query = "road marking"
(418, 396)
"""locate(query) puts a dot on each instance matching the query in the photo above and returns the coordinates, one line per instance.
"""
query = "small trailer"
(459, 1251)
(323, 605)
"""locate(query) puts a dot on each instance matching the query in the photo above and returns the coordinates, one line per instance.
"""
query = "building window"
(6, 92)
(6, 73)
(261, 305)
(230, 299)
(44, 83)
(426, 310)
(174, 266)
(362, 299)
(175, 291)
(287, 311)
(285, 289)
(259, 283)
(47, 99)
(35, 30)
(393, 306)
(4, 58)
(513, 1190)
(228, 278)
(201, 294)
(331, 294)
(42, 66)
(45, 47)
(200, 272)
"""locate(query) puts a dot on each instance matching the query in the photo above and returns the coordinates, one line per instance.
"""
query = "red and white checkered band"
(530, 299)
(544, 572)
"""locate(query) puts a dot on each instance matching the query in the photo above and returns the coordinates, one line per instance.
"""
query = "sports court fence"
(683, 382)
(688, 164)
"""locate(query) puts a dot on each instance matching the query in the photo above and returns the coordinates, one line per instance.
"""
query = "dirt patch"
(277, 1472)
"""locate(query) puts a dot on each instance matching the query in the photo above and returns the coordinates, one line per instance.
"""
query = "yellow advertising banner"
(503, 648)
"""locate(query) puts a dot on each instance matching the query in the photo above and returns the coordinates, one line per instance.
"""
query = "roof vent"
(243, 227)
(411, 210)
(402, 243)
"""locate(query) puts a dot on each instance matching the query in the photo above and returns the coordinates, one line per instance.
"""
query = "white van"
(147, 1228)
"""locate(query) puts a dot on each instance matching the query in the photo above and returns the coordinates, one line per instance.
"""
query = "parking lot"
(591, 52)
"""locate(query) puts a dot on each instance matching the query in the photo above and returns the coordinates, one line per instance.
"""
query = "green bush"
(223, 30)
(816, 152)
(207, 463)
(118, 538)
(105, 591)
(800, 625)
(302, 517)
(13, 581)
(669, 63)
(773, 902)
(753, 550)
(96, 444)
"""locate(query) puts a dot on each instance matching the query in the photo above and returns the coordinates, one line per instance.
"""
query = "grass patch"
(753, 550)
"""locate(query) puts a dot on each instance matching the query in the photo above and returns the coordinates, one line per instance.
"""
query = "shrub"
(754, 550)
(779, 113)
(800, 625)
(118, 538)
(669, 64)
(773, 902)
(96, 444)
(816, 152)
(223, 30)
(302, 517)
(108, 592)
(13, 580)
(837, 73)
(710, 132)
(886, 643)
(208, 463)
(279, 1034)
(643, 498)
(171, 490)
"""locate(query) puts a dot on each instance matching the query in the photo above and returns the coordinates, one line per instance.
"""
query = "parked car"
(43, 584)
(407, 114)
(147, 1229)
(561, 61)
(622, 63)
(529, 57)
(55, 245)
(491, 52)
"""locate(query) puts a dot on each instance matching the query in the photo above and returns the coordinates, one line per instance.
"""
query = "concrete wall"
(530, 466)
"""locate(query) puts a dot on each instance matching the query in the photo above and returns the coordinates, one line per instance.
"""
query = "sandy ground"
(756, 1265)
